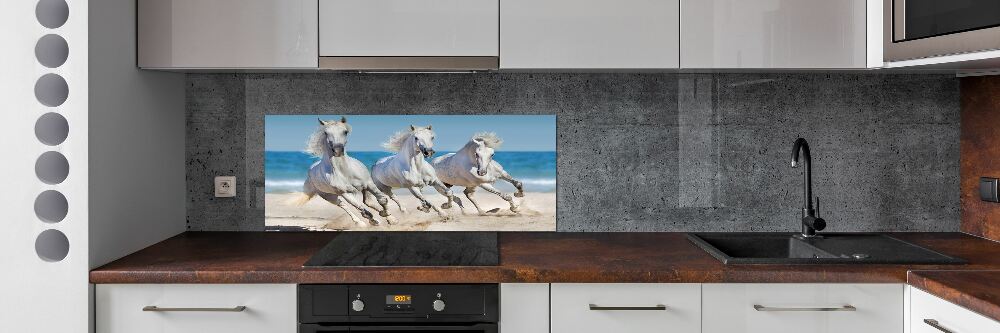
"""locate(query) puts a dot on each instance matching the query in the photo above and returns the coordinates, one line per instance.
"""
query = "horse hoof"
(493, 211)
(390, 220)
(383, 213)
(519, 194)
(446, 206)
(515, 209)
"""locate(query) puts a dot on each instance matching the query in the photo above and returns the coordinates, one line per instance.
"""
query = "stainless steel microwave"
(917, 29)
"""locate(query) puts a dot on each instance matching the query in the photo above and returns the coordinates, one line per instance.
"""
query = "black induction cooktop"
(418, 248)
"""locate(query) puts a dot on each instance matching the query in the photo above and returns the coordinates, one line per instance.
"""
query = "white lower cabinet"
(930, 314)
(524, 307)
(628, 307)
(803, 308)
(569, 308)
(187, 308)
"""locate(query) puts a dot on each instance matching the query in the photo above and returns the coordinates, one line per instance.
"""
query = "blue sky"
(520, 133)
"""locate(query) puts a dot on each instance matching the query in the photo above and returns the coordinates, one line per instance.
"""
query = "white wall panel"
(39, 295)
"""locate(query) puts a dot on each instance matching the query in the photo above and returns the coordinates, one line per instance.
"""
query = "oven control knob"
(438, 305)
(358, 305)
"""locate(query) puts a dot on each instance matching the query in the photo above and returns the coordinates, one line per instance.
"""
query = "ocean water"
(285, 171)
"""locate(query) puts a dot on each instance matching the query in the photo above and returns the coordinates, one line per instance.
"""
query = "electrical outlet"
(225, 186)
(988, 189)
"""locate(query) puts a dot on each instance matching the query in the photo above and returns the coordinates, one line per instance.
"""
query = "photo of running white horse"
(473, 166)
(408, 169)
(339, 178)
(505, 164)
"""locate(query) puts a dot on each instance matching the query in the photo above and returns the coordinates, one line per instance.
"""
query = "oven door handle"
(415, 327)
(485, 328)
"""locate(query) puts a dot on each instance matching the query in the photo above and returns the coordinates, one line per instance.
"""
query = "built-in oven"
(916, 29)
(377, 308)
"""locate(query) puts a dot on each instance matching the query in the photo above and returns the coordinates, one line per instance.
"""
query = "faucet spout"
(810, 222)
(802, 146)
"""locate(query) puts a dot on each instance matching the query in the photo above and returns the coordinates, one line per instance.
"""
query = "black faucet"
(810, 221)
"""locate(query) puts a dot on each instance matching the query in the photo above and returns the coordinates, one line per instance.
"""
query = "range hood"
(410, 64)
(409, 35)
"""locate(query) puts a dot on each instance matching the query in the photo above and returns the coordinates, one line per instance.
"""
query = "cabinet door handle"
(935, 324)
(595, 307)
(159, 309)
(776, 309)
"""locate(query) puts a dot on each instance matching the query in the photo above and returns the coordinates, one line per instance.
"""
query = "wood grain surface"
(980, 153)
(978, 291)
(277, 257)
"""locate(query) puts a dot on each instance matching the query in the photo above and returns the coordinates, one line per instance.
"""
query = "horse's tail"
(300, 199)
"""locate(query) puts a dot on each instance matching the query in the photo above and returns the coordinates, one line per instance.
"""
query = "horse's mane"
(396, 141)
(489, 139)
(314, 146)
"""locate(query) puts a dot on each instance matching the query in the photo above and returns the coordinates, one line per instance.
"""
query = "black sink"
(835, 248)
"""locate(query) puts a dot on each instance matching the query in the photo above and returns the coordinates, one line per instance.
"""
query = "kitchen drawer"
(269, 308)
(632, 307)
(802, 308)
(948, 316)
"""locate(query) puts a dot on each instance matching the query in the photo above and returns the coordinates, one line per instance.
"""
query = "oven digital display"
(398, 299)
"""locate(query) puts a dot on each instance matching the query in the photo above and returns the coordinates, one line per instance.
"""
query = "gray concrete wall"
(637, 152)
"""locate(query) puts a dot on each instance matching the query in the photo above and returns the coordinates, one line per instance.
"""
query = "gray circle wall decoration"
(51, 129)
(51, 51)
(52, 245)
(52, 13)
(51, 206)
(52, 167)
(51, 90)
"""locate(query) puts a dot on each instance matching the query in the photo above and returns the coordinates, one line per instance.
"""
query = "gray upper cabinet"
(509, 34)
(588, 34)
(805, 34)
(220, 34)
(409, 34)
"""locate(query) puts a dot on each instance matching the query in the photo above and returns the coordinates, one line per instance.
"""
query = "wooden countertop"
(978, 291)
(277, 257)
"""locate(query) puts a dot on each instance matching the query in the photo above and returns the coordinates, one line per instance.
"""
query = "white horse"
(408, 169)
(339, 178)
(473, 166)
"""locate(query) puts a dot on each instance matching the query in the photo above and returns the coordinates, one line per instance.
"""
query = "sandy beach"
(537, 213)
